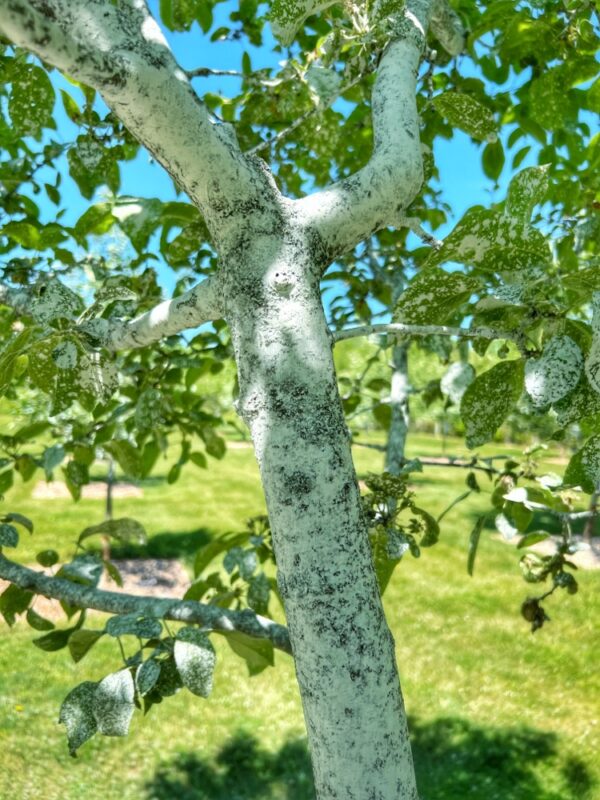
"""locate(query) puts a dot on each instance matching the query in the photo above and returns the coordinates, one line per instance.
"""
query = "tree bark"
(396, 443)
(343, 649)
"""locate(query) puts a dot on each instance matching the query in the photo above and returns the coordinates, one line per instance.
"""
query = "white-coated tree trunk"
(343, 649)
(396, 443)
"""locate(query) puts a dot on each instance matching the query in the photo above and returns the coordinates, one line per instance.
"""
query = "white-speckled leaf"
(455, 380)
(505, 527)
(9, 535)
(584, 467)
(113, 703)
(581, 403)
(324, 84)
(134, 625)
(195, 658)
(468, 114)
(592, 363)
(492, 243)
(433, 295)
(489, 399)
(53, 300)
(286, 16)
(63, 368)
(77, 715)
(146, 676)
(556, 373)
(526, 189)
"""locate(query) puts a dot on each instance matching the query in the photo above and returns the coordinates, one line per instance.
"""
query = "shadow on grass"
(454, 760)
(182, 545)
(241, 770)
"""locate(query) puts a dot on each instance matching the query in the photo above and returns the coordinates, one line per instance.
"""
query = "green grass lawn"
(496, 712)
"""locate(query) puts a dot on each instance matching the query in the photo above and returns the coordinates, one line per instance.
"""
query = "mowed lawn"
(496, 712)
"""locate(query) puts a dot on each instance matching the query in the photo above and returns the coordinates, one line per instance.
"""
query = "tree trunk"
(343, 649)
(396, 444)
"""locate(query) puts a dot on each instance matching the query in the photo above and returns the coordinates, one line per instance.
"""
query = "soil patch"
(583, 559)
(155, 577)
(96, 490)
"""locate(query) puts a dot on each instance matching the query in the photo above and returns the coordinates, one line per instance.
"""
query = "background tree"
(263, 246)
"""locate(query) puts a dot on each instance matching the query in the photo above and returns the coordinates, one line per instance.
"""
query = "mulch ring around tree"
(96, 490)
(588, 558)
(155, 577)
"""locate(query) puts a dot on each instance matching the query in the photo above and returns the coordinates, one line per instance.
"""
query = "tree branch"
(376, 196)
(402, 329)
(189, 611)
(191, 309)
(118, 49)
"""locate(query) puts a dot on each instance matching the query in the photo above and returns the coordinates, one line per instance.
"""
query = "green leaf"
(286, 17)
(492, 160)
(82, 641)
(72, 109)
(56, 640)
(244, 560)
(584, 467)
(432, 529)
(24, 233)
(556, 373)
(433, 296)
(47, 558)
(474, 543)
(324, 84)
(38, 622)
(53, 456)
(210, 551)
(259, 590)
(489, 399)
(14, 601)
(76, 713)
(124, 529)
(138, 218)
(112, 704)
(526, 189)
(20, 520)
(9, 535)
(195, 659)
(134, 625)
(468, 114)
(257, 653)
(53, 300)
(113, 572)
(127, 456)
(149, 410)
(532, 538)
(98, 219)
(6, 480)
(146, 676)
(85, 569)
(31, 101)
(492, 242)
(548, 99)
